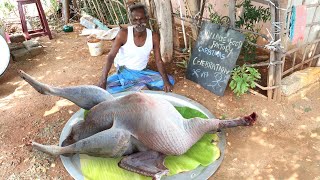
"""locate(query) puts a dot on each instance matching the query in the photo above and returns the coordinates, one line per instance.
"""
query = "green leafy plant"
(109, 9)
(243, 78)
(249, 19)
(6, 7)
(182, 64)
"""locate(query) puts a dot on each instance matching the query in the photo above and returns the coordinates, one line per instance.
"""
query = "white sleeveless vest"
(132, 56)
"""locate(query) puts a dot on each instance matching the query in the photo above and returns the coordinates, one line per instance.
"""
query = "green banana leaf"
(204, 152)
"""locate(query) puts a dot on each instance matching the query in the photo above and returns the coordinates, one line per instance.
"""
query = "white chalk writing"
(195, 72)
(221, 46)
(210, 65)
(212, 52)
(218, 79)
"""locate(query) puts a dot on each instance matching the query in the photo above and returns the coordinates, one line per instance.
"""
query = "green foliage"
(6, 7)
(251, 16)
(223, 116)
(53, 5)
(307, 109)
(188, 113)
(183, 64)
(243, 78)
(107, 11)
(213, 15)
(249, 20)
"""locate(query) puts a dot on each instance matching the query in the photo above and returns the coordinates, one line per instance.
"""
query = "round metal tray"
(5, 55)
(72, 164)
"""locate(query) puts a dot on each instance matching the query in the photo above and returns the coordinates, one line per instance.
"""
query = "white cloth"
(132, 56)
(101, 34)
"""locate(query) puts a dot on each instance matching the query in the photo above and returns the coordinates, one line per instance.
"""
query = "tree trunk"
(66, 11)
(194, 7)
(164, 17)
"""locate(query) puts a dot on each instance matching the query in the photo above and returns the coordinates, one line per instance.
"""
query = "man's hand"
(102, 84)
(167, 87)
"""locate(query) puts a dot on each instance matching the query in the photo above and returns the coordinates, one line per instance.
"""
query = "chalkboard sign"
(214, 57)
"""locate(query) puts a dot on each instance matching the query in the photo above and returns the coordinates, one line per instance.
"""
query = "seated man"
(130, 54)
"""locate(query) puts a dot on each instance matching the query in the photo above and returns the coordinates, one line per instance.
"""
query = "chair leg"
(43, 19)
(40, 17)
(23, 21)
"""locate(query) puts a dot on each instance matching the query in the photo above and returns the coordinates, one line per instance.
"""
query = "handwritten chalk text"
(210, 65)
(212, 52)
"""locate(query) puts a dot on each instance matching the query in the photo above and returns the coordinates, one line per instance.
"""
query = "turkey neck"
(197, 127)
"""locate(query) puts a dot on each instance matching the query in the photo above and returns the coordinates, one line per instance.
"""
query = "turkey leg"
(109, 143)
(85, 96)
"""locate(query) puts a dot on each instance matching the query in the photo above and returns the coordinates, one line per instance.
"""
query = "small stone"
(264, 129)
(15, 46)
(21, 54)
(31, 44)
(35, 50)
(26, 160)
(17, 38)
(198, 86)
(53, 165)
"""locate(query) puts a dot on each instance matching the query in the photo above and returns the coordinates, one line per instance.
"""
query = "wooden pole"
(232, 12)
(271, 72)
(183, 29)
(66, 11)
(164, 17)
(314, 52)
(201, 13)
(194, 7)
(277, 91)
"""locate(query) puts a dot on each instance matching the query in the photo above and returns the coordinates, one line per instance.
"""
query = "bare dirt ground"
(283, 144)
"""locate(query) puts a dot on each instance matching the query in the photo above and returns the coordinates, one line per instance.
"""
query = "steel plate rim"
(6, 56)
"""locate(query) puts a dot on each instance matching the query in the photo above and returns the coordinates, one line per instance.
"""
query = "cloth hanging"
(297, 23)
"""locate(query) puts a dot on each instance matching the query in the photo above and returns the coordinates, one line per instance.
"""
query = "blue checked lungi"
(134, 80)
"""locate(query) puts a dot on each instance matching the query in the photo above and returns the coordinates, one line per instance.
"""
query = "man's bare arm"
(156, 49)
(118, 42)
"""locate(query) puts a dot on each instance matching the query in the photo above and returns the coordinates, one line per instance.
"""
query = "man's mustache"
(140, 25)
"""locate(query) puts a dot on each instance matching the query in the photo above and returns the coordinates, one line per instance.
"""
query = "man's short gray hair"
(136, 6)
